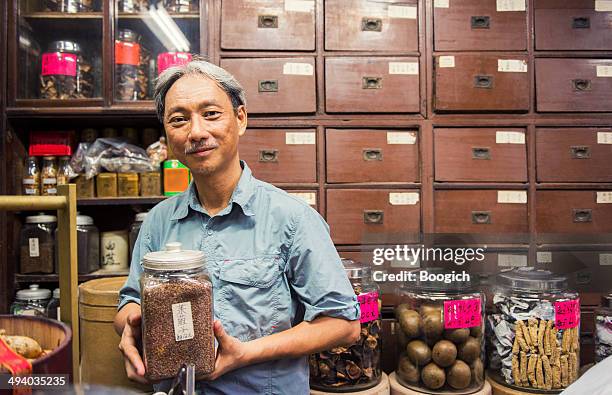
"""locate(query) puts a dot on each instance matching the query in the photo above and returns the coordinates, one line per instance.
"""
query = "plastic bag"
(116, 155)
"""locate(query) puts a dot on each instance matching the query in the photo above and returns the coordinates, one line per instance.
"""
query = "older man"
(300, 300)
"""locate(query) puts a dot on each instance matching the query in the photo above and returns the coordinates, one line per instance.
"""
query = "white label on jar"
(510, 5)
(183, 321)
(603, 5)
(604, 197)
(298, 69)
(441, 4)
(29, 181)
(447, 61)
(519, 197)
(29, 312)
(406, 68)
(508, 137)
(49, 181)
(34, 250)
(299, 5)
(58, 313)
(605, 259)
(604, 71)
(402, 11)
(604, 138)
(403, 198)
(511, 66)
(544, 257)
(51, 191)
(511, 260)
(297, 138)
(31, 191)
(401, 138)
(308, 197)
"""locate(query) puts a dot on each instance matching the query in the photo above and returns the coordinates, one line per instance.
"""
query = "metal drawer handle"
(371, 82)
(483, 81)
(480, 22)
(268, 155)
(582, 215)
(371, 24)
(582, 85)
(373, 217)
(267, 21)
(481, 217)
(581, 22)
(370, 154)
(581, 152)
(483, 153)
(268, 86)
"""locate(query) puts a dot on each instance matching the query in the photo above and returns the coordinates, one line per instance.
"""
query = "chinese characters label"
(183, 321)
(464, 313)
(567, 314)
(368, 303)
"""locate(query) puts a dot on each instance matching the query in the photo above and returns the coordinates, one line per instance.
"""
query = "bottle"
(49, 176)
(31, 179)
(63, 170)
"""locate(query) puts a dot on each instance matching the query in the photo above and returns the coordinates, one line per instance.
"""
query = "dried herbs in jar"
(65, 74)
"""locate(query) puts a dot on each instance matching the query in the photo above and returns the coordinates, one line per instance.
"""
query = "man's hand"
(130, 338)
(231, 353)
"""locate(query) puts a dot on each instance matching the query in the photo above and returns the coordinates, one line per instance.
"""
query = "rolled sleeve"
(315, 271)
(130, 292)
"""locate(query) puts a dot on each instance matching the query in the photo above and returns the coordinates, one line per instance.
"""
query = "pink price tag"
(464, 313)
(567, 314)
(368, 303)
(57, 63)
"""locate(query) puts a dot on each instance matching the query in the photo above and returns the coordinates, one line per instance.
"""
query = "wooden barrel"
(398, 389)
(50, 334)
(381, 389)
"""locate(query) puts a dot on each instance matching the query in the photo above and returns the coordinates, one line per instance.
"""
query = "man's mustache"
(199, 145)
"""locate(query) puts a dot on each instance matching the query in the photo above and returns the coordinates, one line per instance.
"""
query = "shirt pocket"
(249, 295)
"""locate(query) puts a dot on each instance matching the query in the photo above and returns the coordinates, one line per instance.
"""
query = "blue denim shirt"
(272, 264)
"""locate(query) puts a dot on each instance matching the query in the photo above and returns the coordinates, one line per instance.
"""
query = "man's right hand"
(130, 339)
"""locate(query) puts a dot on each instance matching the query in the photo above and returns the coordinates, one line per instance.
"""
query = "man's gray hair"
(225, 80)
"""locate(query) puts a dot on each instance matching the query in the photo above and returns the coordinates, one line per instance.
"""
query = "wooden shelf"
(174, 15)
(117, 201)
(63, 15)
(53, 278)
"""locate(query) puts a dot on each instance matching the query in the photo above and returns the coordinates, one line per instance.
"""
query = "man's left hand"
(231, 353)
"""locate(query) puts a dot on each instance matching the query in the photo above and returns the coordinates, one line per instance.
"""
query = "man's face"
(201, 124)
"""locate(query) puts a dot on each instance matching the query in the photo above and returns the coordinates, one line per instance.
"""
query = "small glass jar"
(53, 308)
(135, 230)
(63, 170)
(181, 5)
(441, 334)
(535, 333)
(603, 329)
(71, 6)
(356, 367)
(130, 6)
(31, 301)
(49, 176)
(31, 178)
(65, 73)
(37, 244)
(177, 312)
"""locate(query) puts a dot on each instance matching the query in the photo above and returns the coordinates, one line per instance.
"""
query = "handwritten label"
(464, 313)
(368, 302)
(308, 197)
(57, 63)
(401, 11)
(403, 198)
(567, 314)
(298, 69)
(511, 260)
(516, 197)
(297, 138)
(604, 71)
(441, 4)
(299, 5)
(401, 138)
(34, 250)
(604, 138)
(544, 257)
(508, 137)
(605, 259)
(407, 68)
(446, 61)
(603, 5)
(511, 66)
(183, 321)
(604, 197)
(510, 5)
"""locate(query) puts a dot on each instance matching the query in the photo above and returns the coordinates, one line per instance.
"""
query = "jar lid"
(41, 218)
(83, 220)
(127, 35)
(65, 46)
(141, 216)
(173, 258)
(441, 279)
(356, 269)
(56, 293)
(530, 279)
(33, 292)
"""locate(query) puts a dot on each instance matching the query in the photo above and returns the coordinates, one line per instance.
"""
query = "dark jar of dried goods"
(37, 244)
(65, 74)
(177, 312)
(356, 367)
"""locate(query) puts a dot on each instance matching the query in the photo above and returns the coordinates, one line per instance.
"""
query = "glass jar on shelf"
(135, 230)
(535, 333)
(37, 244)
(127, 61)
(65, 74)
(603, 329)
(63, 170)
(31, 178)
(441, 334)
(181, 6)
(357, 367)
(53, 308)
(31, 301)
(130, 6)
(49, 176)
(71, 6)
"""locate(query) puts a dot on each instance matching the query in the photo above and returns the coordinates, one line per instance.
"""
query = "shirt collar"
(242, 196)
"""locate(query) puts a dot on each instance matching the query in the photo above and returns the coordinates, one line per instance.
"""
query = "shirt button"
(210, 232)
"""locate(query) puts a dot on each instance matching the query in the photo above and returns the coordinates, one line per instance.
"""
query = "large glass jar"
(534, 330)
(88, 245)
(65, 73)
(31, 301)
(356, 367)
(177, 312)
(37, 244)
(603, 329)
(440, 336)
(127, 61)
(135, 230)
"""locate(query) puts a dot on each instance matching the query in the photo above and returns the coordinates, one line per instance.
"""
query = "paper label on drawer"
(368, 303)
(519, 197)
(402, 11)
(511, 65)
(511, 260)
(183, 321)
(403, 198)
(33, 245)
(464, 313)
(296, 138)
(567, 314)
(401, 138)
(441, 4)
(298, 69)
(605, 259)
(299, 5)
(510, 5)
(603, 5)
(604, 138)
(604, 71)
(446, 61)
(604, 197)
(308, 197)
(409, 68)
(544, 257)
(509, 137)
